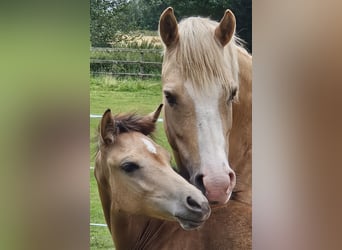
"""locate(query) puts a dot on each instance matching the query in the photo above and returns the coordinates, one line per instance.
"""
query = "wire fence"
(126, 62)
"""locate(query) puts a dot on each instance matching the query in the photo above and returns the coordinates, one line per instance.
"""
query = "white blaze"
(211, 139)
(149, 145)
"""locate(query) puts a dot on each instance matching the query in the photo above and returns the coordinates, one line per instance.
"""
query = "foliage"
(108, 17)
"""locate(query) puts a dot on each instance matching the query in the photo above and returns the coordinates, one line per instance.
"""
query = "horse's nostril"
(199, 183)
(192, 203)
(232, 178)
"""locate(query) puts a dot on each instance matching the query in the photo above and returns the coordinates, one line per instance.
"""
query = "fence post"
(141, 64)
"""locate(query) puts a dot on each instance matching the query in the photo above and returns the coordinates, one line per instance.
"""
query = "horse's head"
(138, 175)
(200, 83)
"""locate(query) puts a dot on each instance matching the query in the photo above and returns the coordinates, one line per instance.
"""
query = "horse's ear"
(168, 27)
(107, 128)
(155, 114)
(226, 29)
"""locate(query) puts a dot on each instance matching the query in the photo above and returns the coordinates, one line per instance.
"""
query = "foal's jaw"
(193, 213)
(178, 200)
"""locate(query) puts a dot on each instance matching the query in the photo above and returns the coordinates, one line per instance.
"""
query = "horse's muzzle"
(217, 188)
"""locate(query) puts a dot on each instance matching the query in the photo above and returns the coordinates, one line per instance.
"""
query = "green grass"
(125, 95)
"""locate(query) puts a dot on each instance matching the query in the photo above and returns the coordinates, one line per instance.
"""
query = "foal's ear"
(155, 114)
(148, 123)
(226, 29)
(168, 27)
(107, 127)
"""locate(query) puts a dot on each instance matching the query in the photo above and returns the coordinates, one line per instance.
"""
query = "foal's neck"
(140, 232)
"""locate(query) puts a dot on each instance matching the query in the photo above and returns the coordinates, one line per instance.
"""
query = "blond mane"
(201, 58)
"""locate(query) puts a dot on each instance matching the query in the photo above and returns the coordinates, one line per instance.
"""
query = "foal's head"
(139, 174)
(200, 83)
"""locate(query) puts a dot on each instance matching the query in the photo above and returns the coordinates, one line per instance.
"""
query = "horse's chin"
(223, 201)
(189, 224)
(228, 197)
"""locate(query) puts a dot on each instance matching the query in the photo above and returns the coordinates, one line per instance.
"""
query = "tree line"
(108, 17)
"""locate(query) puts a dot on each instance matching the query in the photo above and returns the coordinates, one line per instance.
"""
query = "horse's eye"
(171, 99)
(232, 95)
(129, 167)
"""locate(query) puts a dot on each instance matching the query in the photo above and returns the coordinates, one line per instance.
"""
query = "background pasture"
(120, 95)
(135, 55)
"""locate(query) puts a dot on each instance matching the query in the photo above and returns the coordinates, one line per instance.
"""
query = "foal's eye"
(129, 167)
(171, 99)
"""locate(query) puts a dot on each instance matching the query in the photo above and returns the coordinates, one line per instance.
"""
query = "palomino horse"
(142, 196)
(207, 86)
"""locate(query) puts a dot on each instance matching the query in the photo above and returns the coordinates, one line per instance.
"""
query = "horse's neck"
(240, 151)
(140, 232)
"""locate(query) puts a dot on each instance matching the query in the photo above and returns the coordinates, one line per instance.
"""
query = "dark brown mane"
(111, 126)
(133, 122)
(124, 123)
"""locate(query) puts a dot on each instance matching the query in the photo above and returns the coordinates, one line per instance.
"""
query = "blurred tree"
(147, 13)
(108, 17)
(111, 16)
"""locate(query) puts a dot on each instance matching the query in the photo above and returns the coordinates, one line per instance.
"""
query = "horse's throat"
(240, 141)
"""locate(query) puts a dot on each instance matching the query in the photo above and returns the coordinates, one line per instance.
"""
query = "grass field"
(127, 95)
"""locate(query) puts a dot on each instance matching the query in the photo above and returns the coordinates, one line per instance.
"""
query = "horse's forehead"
(199, 57)
(171, 72)
(212, 91)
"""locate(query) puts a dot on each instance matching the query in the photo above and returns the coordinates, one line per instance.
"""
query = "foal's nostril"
(199, 183)
(192, 203)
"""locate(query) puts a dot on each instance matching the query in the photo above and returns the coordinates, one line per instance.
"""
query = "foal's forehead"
(138, 142)
(149, 145)
(138, 147)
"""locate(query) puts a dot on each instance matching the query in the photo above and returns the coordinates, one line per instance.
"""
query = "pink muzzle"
(218, 188)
